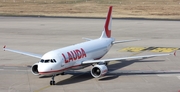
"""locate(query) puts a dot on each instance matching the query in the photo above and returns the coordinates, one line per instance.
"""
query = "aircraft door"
(62, 62)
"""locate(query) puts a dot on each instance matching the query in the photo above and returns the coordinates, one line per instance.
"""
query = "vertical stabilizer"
(107, 27)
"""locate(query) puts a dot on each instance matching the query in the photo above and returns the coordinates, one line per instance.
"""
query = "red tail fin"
(107, 26)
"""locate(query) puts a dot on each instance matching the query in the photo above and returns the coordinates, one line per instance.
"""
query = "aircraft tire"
(53, 82)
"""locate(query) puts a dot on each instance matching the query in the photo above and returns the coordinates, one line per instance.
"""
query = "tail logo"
(108, 23)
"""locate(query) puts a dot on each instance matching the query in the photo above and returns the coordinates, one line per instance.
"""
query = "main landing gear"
(52, 82)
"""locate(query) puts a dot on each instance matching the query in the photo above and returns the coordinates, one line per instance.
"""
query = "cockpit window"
(42, 60)
(48, 61)
(54, 60)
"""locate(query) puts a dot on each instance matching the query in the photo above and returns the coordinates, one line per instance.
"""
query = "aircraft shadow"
(112, 67)
(114, 75)
(76, 78)
(45, 76)
(113, 72)
(125, 63)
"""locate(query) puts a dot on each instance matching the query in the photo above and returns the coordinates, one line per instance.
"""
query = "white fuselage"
(71, 57)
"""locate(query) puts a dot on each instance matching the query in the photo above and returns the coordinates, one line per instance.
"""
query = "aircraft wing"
(24, 53)
(126, 58)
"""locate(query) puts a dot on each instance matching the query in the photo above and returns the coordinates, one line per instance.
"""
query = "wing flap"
(23, 53)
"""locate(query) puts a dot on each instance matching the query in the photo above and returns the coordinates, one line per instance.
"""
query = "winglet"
(4, 47)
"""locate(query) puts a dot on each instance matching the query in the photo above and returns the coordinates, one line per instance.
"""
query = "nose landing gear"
(52, 82)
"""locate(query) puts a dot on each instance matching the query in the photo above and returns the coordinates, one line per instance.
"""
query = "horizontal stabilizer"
(88, 39)
(123, 41)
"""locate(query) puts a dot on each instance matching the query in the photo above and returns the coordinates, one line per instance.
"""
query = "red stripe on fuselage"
(55, 71)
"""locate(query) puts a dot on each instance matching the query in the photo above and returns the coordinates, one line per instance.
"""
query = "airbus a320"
(80, 55)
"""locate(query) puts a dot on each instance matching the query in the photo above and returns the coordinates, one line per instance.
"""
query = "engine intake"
(34, 69)
(99, 71)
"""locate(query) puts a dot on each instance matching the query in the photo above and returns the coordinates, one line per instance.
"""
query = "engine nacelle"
(34, 69)
(99, 71)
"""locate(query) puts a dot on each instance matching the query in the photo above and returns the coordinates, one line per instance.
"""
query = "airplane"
(81, 55)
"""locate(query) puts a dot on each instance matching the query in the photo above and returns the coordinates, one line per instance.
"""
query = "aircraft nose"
(44, 69)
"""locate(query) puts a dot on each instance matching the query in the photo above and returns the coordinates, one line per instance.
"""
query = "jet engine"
(34, 69)
(99, 70)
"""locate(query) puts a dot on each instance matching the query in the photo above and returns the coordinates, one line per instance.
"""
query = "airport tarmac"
(40, 35)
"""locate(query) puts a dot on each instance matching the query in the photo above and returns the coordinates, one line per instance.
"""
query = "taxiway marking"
(133, 49)
(178, 77)
(10, 67)
(42, 88)
(153, 49)
(165, 49)
(22, 70)
(169, 75)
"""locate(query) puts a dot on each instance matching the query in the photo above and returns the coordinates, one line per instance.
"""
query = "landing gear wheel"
(52, 82)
